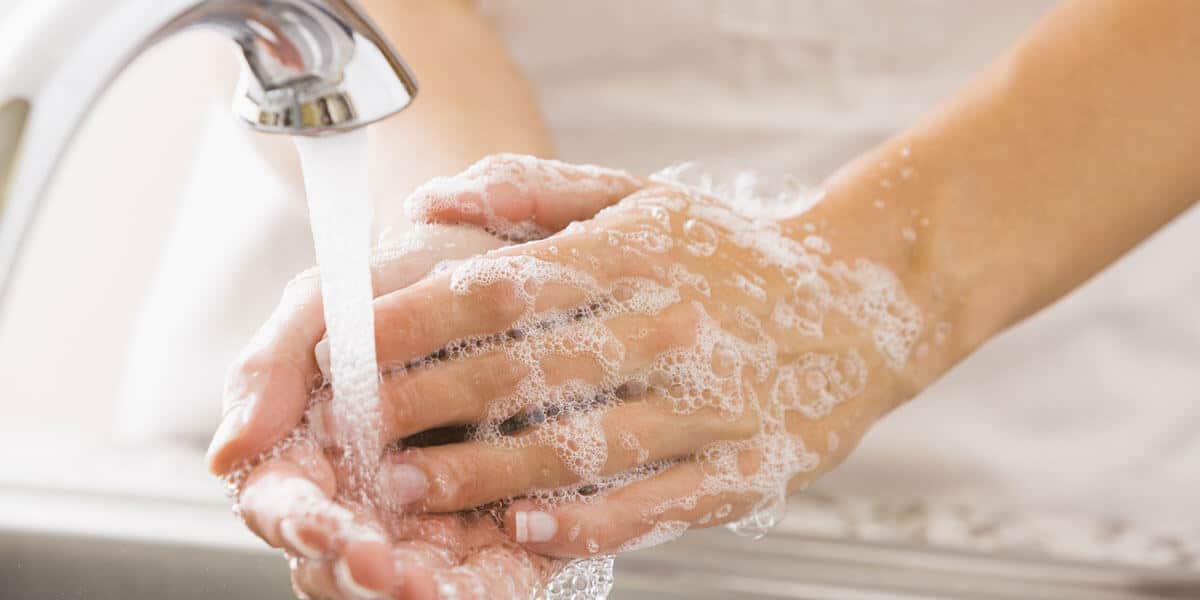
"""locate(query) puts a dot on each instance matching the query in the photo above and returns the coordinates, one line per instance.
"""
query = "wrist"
(886, 207)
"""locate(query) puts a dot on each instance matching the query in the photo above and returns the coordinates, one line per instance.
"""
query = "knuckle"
(507, 162)
(455, 482)
(500, 374)
(503, 302)
(742, 427)
(400, 400)
(410, 315)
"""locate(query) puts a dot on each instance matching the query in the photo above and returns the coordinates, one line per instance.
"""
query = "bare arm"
(1070, 150)
(473, 101)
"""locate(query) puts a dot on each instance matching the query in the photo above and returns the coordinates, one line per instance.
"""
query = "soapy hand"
(671, 363)
(344, 549)
(291, 491)
(290, 496)
(677, 361)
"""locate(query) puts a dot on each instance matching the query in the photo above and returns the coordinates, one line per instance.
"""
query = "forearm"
(1073, 148)
(473, 101)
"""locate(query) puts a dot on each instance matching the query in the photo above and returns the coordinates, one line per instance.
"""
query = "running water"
(341, 212)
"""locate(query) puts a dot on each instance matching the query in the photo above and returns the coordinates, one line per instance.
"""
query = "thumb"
(268, 386)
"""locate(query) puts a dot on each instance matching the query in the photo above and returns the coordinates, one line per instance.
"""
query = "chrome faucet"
(310, 67)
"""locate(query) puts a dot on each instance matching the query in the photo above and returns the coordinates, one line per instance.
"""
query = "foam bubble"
(661, 533)
(585, 579)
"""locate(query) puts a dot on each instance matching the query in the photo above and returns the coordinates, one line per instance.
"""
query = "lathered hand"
(293, 493)
(674, 362)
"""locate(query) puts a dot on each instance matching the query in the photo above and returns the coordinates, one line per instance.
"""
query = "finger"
(283, 506)
(416, 582)
(451, 393)
(314, 579)
(520, 197)
(551, 280)
(546, 461)
(502, 571)
(268, 386)
(428, 321)
(364, 570)
(454, 391)
(474, 473)
(439, 544)
(642, 514)
(447, 394)
(287, 502)
(400, 261)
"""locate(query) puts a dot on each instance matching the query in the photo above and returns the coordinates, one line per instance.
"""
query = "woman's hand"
(344, 549)
(288, 489)
(291, 498)
(670, 363)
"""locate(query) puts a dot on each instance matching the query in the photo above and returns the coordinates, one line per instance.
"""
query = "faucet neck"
(311, 67)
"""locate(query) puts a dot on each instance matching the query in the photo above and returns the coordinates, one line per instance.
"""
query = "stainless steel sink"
(100, 524)
(39, 562)
(48, 566)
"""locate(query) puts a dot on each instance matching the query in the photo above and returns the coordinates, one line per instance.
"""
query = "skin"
(1074, 147)
(472, 102)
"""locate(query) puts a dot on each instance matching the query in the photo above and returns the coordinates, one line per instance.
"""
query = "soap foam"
(731, 366)
(728, 360)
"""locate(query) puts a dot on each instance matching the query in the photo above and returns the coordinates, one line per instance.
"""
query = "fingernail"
(232, 424)
(349, 585)
(291, 536)
(321, 351)
(403, 484)
(535, 526)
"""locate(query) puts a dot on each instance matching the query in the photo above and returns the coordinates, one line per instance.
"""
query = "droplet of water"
(756, 524)
(584, 579)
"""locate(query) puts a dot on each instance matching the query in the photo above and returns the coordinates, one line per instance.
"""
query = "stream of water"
(341, 213)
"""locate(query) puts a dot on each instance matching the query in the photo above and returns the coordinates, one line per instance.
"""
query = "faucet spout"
(311, 67)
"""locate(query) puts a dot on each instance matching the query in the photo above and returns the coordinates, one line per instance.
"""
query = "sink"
(34, 566)
(121, 525)
(44, 563)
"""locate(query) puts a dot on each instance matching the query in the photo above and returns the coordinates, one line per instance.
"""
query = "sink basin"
(111, 525)
(42, 562)
(36, 566)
